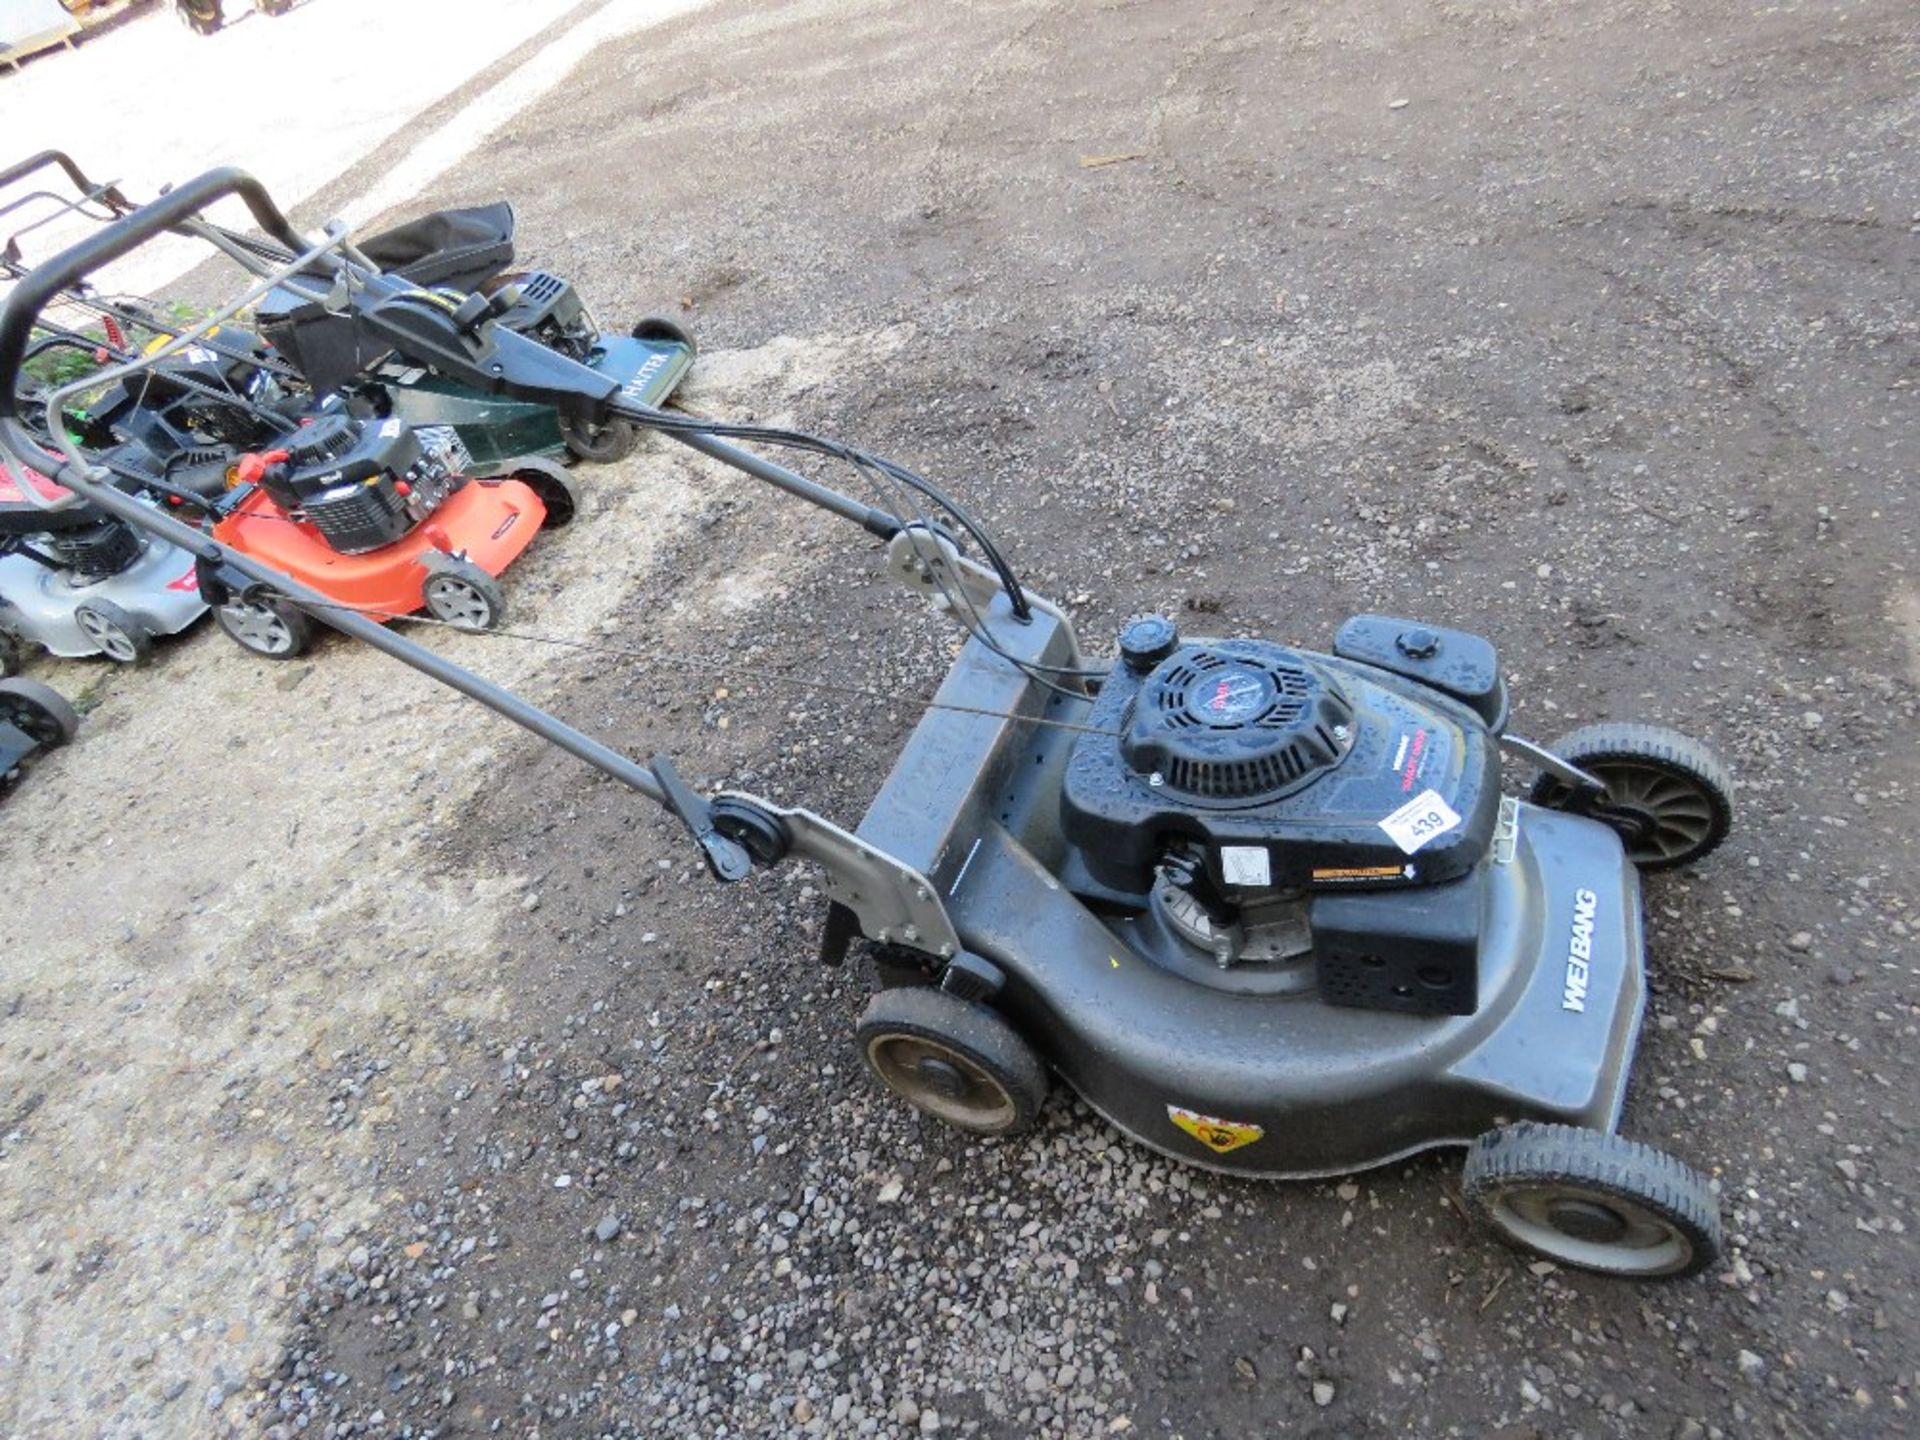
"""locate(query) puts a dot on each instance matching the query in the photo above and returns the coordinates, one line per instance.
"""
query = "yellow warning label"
(1361, 872)
(1216, 1134)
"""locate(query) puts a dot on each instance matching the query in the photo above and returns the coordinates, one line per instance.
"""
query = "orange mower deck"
(488, 521)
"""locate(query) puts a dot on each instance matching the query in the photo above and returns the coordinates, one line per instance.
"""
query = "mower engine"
(547, 308)
(1233, 792)
(94, 551)
(361, 484)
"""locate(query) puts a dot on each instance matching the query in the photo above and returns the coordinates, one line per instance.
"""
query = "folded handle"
(46, 281)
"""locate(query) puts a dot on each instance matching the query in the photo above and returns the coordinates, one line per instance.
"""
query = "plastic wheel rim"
(1649, 1243)
(1678, 816)
(258, 627)
(458, 603)
(114, 642)
(983, 1103)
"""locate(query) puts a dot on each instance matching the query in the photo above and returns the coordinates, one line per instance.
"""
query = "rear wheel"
(1667, 794)
(38, 711)
(114, 633)
(554, 487)
(266, 627)
(603, 442)
(659, 329)
(1593, 1201)
(954, 1060)
(465, 596)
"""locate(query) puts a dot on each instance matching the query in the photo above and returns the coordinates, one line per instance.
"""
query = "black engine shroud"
(1242, 745)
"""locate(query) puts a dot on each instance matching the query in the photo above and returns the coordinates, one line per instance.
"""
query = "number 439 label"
(1423, 818)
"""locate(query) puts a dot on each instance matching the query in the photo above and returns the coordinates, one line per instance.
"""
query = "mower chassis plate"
(973, 804)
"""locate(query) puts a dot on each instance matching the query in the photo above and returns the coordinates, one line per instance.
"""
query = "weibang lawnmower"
(1265, 909)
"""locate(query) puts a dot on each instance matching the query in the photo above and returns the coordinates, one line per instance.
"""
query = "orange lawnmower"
(377, 517)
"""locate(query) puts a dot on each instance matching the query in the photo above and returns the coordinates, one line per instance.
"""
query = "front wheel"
(1594, 1201)
(952, 1059)
(464, 596)
(1667, 794)
(114, 633)
(271, 628)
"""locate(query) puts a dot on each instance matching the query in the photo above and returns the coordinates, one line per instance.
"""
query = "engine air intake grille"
(1237, 722)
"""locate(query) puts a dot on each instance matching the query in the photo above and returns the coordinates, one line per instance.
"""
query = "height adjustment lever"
(727, 859)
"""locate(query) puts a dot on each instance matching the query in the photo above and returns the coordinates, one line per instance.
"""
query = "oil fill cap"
(1146, 641)
(1418, 643)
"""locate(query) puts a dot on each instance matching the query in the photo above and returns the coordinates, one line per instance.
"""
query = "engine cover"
(1283, 764)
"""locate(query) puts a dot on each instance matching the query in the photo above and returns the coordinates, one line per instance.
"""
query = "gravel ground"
(425, 1087)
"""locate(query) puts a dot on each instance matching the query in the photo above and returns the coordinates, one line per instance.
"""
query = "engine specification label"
(1245, 865)
(1425, 817)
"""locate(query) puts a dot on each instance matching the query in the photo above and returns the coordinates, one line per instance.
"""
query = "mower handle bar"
(45, 282)
(109, 192)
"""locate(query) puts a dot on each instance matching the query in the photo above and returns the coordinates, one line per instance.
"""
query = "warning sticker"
(1425, 817)
(1336, 874)
(1216, 1134)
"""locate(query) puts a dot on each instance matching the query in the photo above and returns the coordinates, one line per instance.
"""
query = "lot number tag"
(1423, 818)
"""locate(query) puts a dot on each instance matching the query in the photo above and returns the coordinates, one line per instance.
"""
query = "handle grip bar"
(20, 169)
(46, 281)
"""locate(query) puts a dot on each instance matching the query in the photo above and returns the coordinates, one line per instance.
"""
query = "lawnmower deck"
(498, 431)
(489, 522)
(159, 590)
(1272, 1085)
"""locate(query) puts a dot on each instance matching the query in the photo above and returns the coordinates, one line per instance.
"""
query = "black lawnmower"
(1268, 910)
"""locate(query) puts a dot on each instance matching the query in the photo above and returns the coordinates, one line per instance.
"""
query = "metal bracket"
(726, 858)
(896, 904)
(1542, 758)
(928, 563)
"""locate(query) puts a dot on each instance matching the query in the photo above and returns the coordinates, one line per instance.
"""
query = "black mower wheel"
(554, 487)
(1593, 1201)
(659, 328)
(38, 711)
(10, 655)
(951, 1059)
(1668, 795)
(115, 633)
(465, 596)
(602, 443)
(271, 628)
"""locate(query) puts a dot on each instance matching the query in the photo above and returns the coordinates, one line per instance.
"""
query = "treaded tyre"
(554, 487)
(39, 711)
(951, 1059)
(1671, 794)
(1593, 1201)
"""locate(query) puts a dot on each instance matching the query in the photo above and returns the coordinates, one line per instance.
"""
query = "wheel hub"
(942, 1077)
(1586, 1220)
